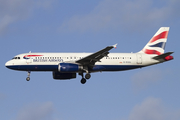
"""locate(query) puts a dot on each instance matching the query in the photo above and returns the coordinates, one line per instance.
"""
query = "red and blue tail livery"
(157, 43)
(67, 65)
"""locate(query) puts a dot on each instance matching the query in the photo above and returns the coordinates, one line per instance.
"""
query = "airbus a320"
(67, 65)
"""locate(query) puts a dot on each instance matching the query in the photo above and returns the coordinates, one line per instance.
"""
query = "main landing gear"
(87, 76)
(28, 78)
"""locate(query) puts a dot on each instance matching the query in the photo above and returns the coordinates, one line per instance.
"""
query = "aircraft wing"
(95, 57)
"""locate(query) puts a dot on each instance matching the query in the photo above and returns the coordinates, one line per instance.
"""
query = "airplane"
(66, 65)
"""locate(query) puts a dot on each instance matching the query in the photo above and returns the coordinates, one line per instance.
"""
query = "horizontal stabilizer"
(162, 56)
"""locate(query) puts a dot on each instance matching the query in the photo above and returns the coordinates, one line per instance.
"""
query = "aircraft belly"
(115, 67)
(34, 67)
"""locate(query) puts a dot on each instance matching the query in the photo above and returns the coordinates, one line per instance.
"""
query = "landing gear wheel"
(28, 78)
(83, 80)
(87, 76)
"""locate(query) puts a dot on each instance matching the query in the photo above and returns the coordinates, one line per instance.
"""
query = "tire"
(83, 81)
(28, 78)
(87, 76)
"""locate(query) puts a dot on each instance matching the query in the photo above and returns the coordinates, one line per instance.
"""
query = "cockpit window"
(16, 58)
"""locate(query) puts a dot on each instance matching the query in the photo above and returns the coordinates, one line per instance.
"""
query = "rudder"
(157, 43)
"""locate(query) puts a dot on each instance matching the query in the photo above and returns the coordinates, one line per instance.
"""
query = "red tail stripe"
(160, 36)
(152, 52)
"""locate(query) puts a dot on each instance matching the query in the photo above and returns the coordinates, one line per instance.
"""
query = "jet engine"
(63, 76)
(68, 67)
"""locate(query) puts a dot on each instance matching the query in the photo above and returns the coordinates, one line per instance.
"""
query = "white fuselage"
(50, 61)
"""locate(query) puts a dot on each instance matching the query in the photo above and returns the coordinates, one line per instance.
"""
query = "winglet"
(115, 45)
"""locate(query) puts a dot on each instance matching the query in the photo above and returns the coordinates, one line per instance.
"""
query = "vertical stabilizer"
(157, 43)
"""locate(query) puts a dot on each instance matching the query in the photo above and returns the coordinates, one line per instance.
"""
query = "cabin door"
(139, 58)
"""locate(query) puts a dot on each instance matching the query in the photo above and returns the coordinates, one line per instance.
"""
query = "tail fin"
(157, 43)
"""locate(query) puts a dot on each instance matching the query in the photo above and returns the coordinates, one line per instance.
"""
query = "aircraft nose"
(7, 64)
(11, 65)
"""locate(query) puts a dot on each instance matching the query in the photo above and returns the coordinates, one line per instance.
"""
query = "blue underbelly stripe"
(34, 67)
(55, 67)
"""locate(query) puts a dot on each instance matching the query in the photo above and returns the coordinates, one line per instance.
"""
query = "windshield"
(16, 58)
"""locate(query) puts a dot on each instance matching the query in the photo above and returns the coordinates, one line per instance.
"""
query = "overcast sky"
(150, 93)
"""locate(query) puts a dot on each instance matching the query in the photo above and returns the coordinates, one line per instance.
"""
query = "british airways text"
(47, 60)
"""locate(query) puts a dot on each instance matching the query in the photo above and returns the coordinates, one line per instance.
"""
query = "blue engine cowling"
(63, 76)
(68, 67)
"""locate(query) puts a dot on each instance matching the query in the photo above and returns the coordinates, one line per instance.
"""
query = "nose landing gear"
(28, 78)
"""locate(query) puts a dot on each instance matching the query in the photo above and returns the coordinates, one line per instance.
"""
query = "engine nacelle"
(63, 76)
(68, 67)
